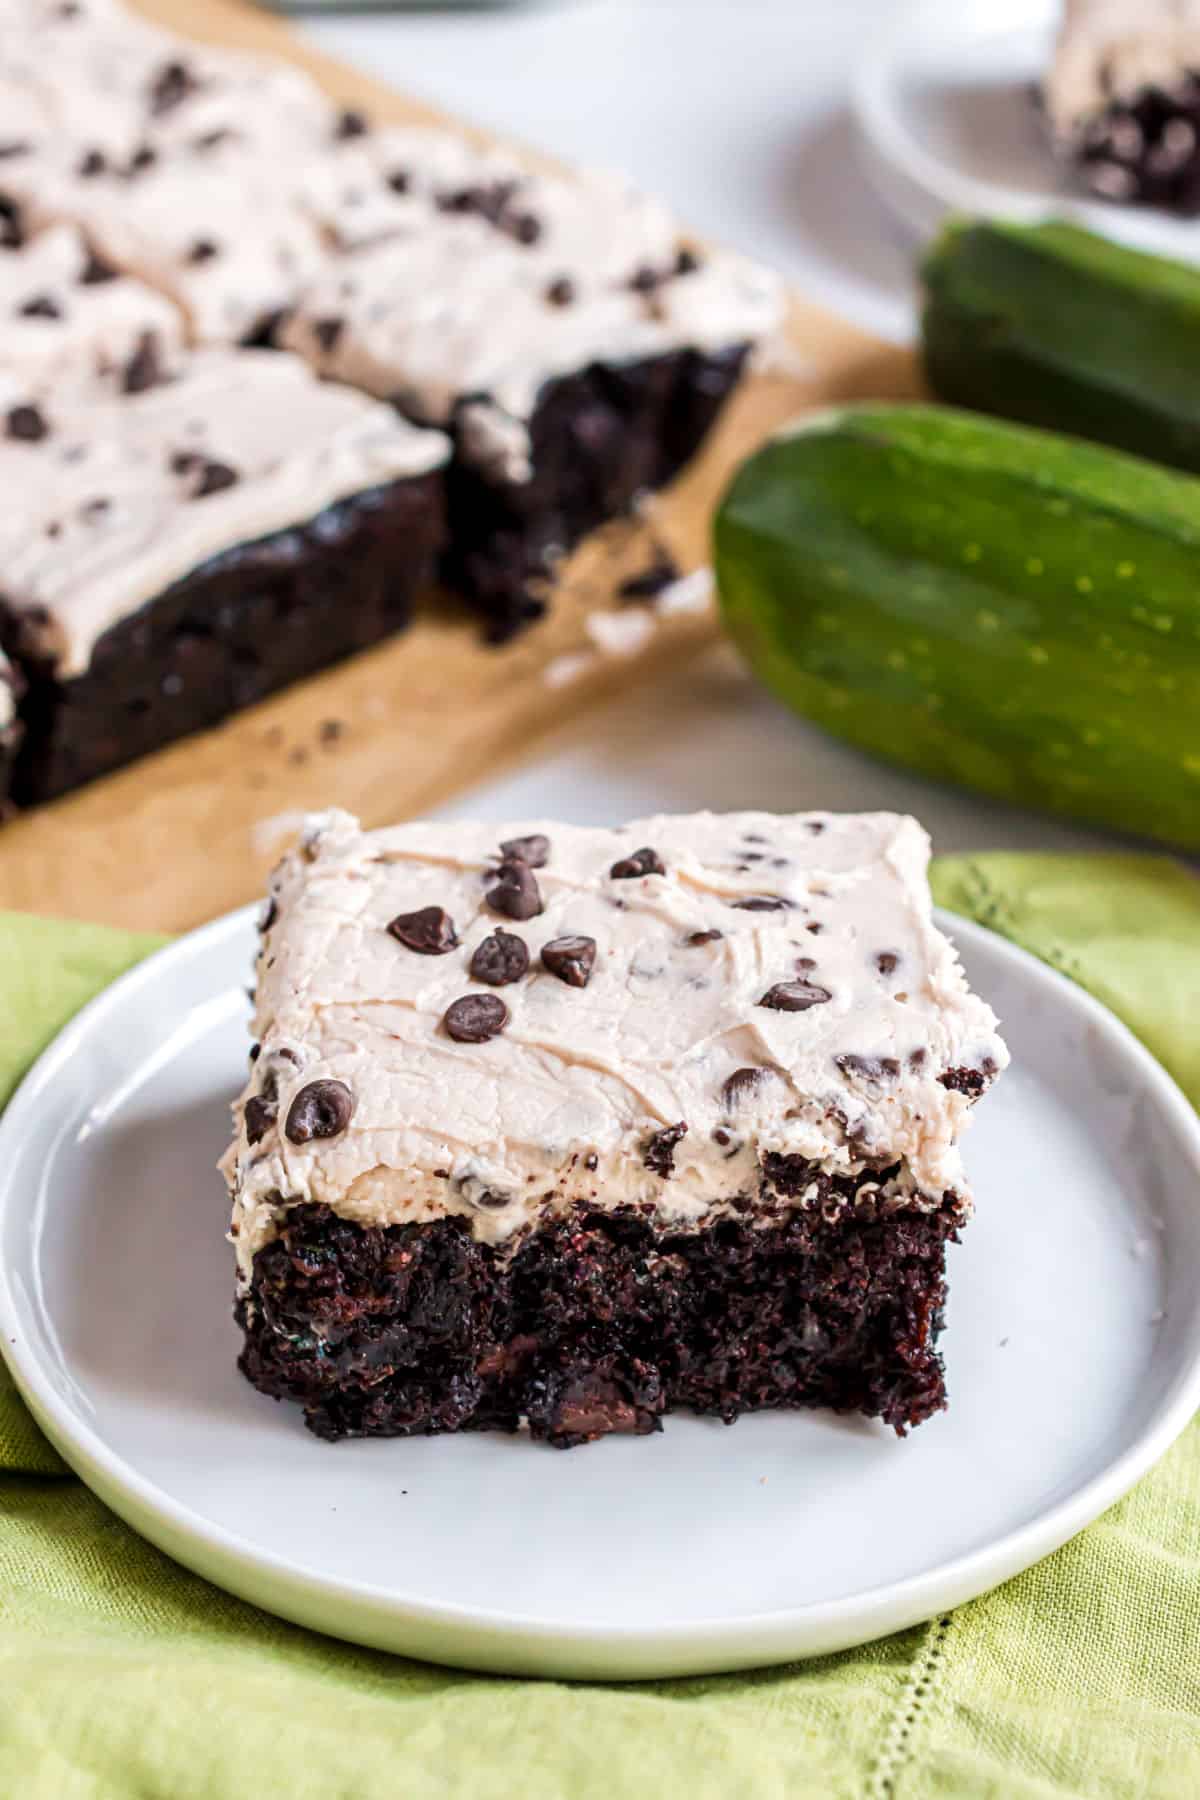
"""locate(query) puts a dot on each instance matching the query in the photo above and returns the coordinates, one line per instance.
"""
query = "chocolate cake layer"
(598, 438)
(231, 631)
(599, 1322)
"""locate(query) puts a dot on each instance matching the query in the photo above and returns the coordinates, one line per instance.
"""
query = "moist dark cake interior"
(599, 438)
(240, 626)
(1145, 151)
(600, 1322)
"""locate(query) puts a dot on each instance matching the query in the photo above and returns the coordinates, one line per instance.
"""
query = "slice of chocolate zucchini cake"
(565, 1128)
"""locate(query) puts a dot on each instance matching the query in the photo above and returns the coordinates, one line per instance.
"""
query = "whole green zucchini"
(1057, 327)
(988, 604)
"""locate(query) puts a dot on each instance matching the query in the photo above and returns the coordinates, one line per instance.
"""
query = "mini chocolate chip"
(917, 1058)
(260, 1115)
(269, 916)
(92, 162)
(96, 270)
(873, 1068)
(42, 306)
(500, 959)
(144, 368)
(400, 181)
(571, 958)
(704, 937)
(15, 147)
(27, 424)
(215, 476)
(722, 1137)
(95, 509)
(740, 1085)
(815, 928)
(351, 124)
(560, 292)
(658, 1152)
(686, 262)
(516, 893)
(525, 228)
(429, 931)
(182, 461)
(816, 826)
(887, 962)
(644, 280)
(650, 581)
(320, 1110)
(142, 158)
(327, 332)
(475, 1018)
(255, 1052)
(643, 862)
(534, 850)
(202, 251)
(591, 1162)
(173, 83)
(208, 140)
(795, 996)
(763, 903)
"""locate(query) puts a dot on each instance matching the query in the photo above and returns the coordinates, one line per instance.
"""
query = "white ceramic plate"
(1073, 1350)
(947, 124)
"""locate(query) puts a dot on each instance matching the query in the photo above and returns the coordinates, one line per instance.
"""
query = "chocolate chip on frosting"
(475, 1018)
(871, 1068)
(887, 962)
(95, 270)
(500, 959)
(534, 850)
(763, 903)
(795, 996)
(704, 937)
(643, 862)
(14, 147)
(260, 1115)
(214, 476)
(202, 251)
(350, 123)
(571, 958)
(144, 368)
(322, 1109)
(740, 1085)
(515, 892)
(429, 931)
(658, 1152)
(560, 292)
(42, 306)
(400, 181)
(92, 162)
(327, 332)
(27, 424)
(172, 85)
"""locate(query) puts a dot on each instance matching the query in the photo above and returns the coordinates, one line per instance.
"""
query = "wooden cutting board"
(185, 834)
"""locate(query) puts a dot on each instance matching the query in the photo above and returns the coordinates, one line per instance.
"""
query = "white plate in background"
(947, 123)
(1073, 1353)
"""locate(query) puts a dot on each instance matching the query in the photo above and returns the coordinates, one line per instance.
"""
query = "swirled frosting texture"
(582, 1095)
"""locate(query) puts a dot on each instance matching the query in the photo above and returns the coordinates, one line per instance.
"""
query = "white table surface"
(734, 110)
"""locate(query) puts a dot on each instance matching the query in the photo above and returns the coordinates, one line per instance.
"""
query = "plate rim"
(509, 1642)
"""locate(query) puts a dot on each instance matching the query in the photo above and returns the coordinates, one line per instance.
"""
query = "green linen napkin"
(122, 1675)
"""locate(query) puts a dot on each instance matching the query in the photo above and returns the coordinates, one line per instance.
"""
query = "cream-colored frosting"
(562, 1105)
(216, 231)
(102, 513)
(460, 309)
(57, 324)
(1115, 49)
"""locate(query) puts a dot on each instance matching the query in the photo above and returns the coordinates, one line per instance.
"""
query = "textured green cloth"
(121, 1675)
